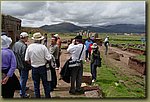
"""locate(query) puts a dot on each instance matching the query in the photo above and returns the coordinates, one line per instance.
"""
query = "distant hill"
(62, 27)
(118, 28)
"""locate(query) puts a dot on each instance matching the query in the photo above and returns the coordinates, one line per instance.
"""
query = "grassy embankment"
(117, 85)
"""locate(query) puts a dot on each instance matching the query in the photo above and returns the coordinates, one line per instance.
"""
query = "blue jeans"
(23, 80)
(88, 55)
(93, 70)
(37, 73)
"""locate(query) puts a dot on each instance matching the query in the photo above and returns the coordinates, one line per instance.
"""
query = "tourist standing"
(58, 42)
(77, 53)
(54, 50)
(38, 55)
(19, 49)
(9, 81)
(87, 44)
(95, 61)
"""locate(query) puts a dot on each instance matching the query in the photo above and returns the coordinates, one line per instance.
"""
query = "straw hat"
(6, 41)
(37, 36)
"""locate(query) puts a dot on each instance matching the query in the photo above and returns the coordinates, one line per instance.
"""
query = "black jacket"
(66, 72)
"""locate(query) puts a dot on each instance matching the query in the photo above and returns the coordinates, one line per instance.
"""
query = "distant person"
(9, 81)
(19, 49)
(95, 61)
(58, 42)
(87, 44)
(38, 55)
(106, 43)
(77, 53)
(45, 40)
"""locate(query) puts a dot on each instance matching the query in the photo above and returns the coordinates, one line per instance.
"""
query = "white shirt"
(38, 54)
(75, 51)
(106, 39)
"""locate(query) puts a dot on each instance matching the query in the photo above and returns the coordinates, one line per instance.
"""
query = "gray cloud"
(81, 13)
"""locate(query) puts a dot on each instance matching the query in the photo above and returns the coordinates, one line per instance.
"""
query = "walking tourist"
(106, 43)
(95, 61)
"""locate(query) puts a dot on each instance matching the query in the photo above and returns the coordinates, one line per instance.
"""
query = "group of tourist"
(37, 56)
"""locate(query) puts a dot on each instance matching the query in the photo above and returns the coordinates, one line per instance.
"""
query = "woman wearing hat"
(9, 81)
(95, 61)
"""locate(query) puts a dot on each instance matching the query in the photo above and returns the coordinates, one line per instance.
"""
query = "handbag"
(76, 63)
(98, 62)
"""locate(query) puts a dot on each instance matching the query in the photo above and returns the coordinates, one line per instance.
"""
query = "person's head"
(89, 39)
(53, 40)
(5, 41)
(56, 35)
(78, 39)
(37, 37)
(94, 46)
(73, 41)
(24, 36)
(45, 35)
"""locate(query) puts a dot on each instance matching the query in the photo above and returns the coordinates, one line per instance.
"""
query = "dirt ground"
(62, 90)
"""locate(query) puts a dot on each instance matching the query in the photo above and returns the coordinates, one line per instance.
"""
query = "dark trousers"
(93, 70)
(54, 79)
(76, 77)
(37, 74)
(9, 88)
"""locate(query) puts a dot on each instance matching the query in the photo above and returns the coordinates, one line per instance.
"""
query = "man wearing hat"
(9, 81)
(19, 48)
(37, 54)
(77, 53)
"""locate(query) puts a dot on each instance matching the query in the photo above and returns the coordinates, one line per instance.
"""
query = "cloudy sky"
(82, 13)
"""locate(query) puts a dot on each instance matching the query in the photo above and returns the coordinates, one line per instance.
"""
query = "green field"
(110, 80)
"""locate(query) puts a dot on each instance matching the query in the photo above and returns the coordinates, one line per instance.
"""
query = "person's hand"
(4, 81)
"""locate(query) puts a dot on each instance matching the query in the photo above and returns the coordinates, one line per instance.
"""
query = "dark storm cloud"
(81, 13)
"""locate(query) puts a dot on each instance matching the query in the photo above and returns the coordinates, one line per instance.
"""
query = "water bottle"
(49, 75)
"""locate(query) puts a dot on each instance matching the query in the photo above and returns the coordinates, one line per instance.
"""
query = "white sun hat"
(6, 41)
(24, 34)
(94, 46)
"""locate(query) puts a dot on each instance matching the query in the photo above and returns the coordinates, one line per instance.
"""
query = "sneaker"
(93, 80)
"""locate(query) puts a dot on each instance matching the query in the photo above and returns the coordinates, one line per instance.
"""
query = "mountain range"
(118, 28)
